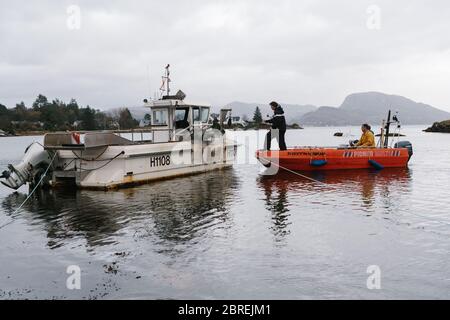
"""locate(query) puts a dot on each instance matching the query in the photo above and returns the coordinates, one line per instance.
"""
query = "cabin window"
(181, 118)
(160, 117)
(205, 114)
(196, 114)
(200, 114)
(181, 114)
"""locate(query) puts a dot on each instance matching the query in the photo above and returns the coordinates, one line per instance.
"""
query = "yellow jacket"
(367, 140)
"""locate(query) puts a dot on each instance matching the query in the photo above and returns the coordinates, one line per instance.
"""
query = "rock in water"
(443, 126)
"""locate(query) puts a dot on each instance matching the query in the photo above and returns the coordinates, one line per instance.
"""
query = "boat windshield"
(201, 114)
(181, 114)
(160, 117)
(181, 118)
(205, 114)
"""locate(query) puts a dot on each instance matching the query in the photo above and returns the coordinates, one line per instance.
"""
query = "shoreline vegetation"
(43, 132)
(137, 130)
(49, 116)
(46, 116)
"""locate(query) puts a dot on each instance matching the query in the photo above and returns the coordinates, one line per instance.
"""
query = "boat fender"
(376, 165)
(318, 163)
(266, 163)
(75, 138)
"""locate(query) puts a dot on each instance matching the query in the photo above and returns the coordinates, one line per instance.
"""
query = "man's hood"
(279, 110)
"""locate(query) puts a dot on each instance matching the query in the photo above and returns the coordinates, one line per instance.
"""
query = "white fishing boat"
(180, 142)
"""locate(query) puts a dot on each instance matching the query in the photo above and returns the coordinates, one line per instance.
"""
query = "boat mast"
(168, 79)
(381, 141)
(388, 124)
(165, 82)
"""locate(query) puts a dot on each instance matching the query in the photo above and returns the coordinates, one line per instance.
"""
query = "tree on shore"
(88, 119)
(126, 120)
(257, 116)
(5, 120)
(40, 102)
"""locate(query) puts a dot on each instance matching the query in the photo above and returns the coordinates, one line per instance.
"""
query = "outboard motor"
(407, 145)
(35, 160)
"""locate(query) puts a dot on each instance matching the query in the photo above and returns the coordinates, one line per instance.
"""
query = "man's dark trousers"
(280, 138)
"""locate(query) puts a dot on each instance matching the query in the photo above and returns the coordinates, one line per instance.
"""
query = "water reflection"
(366, 183)
(358, 187)
(276, 202)
(175, 211)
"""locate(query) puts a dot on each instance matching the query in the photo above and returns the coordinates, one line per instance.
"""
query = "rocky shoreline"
(443, 127)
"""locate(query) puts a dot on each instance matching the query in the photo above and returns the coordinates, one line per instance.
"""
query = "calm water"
(236, 234)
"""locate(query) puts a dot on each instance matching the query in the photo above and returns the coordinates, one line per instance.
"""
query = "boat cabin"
(172, 118)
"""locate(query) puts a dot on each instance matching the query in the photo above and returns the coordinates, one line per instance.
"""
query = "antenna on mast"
(165, 86)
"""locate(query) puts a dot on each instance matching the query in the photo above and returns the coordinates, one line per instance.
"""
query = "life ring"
(76, 137)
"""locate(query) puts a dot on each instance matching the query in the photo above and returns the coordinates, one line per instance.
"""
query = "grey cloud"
(295, 51)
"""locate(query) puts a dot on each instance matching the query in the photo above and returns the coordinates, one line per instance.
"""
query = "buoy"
(318, 163)
(376, 165)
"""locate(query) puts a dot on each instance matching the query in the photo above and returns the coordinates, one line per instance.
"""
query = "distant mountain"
(372, 107)
(357, 108)
(329, 116)
(293, 112)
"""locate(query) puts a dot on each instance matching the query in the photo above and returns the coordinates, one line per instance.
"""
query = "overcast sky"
(306, 52)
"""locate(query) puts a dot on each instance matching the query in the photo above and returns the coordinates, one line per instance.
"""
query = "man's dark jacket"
(278, 121)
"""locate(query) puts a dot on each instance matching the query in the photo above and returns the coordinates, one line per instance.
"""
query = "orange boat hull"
(311, 159)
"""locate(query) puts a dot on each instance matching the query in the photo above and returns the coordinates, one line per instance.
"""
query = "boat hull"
(129, 165)
(316, 159)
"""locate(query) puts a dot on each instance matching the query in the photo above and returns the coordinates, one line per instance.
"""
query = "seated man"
(367, 138)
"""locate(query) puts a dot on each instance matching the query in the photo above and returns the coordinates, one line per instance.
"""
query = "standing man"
(278, 123)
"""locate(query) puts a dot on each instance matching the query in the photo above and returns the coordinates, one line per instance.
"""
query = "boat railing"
(91, 139)
(141, 135)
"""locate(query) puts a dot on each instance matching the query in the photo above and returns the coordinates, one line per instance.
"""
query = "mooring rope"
(104, 165)
(297, 173)
(31, 193)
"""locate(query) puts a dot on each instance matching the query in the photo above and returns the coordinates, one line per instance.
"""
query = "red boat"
(309, 159)
(317, 158)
